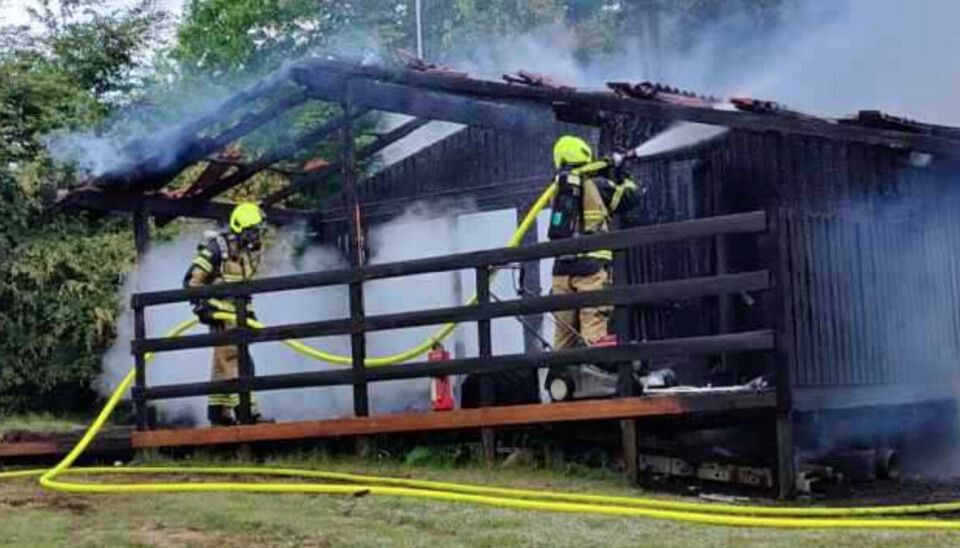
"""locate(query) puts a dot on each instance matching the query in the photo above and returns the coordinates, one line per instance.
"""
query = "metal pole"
(419, 30)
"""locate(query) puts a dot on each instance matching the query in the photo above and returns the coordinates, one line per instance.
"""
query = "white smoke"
(423, 137)
(164, 267)
(423, 231)
(825, 58)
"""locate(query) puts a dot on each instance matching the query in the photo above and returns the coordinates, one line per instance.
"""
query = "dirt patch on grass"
(74, 504)
(159, 536)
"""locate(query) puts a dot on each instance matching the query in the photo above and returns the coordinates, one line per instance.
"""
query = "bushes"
(58, 305)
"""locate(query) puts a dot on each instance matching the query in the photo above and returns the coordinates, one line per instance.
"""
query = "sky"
(14, 12)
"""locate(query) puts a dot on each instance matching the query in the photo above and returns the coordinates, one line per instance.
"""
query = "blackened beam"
(278, 154)
(687, 346)
(738, 223)
(314, 179)
(163, 206)
(481, 200)
(158, 169)
(762, 123)
(330, 77)
(618, 296)
(189, 130)
(527, 118)
(507, 116)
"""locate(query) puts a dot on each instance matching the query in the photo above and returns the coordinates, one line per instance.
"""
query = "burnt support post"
(358, 349)
(485, 350)
(349, 175)
(141, 232)
(141, 239)
(358, 341)
(776, 248)
(140, 363)
(626, 385)
(245, 371)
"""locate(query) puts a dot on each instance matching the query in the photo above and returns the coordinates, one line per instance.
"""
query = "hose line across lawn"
(518, 499)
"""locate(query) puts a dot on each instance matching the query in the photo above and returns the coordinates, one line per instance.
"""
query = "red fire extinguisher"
(441, 392)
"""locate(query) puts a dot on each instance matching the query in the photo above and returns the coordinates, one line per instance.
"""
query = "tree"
(59, 272)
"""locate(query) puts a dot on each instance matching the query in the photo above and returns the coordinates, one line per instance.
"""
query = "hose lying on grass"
(519, 499)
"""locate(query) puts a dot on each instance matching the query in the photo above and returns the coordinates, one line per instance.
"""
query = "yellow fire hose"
(519, 499)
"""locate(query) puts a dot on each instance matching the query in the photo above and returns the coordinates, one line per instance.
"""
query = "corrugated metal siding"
(873, 254)
(873, 249)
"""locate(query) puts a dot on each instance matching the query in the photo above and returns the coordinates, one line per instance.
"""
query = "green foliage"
(98, 48)
(86, 61)
(460, 25)
(59, 272)
(35, 99)
(58, 297)
(442, 456)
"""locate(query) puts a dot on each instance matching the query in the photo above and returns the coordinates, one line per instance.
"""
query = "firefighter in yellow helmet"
(587, 197)
(231, 255)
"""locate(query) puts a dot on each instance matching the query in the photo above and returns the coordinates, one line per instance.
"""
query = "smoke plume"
(437, 229)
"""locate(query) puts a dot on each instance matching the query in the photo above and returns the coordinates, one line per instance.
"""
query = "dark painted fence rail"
(482, 312)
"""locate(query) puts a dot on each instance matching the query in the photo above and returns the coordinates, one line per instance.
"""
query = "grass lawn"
(33, 518)
(40, 423)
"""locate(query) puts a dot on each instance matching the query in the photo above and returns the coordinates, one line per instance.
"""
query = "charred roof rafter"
(518, 109)
(311, 179)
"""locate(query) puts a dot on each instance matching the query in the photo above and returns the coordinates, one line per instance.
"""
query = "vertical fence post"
(141, 232)
(141, 238)
(779, 315)
(140, 363)
(244, 363)
(485, 350)
(623, 327)
(626, 385)
(358, 350)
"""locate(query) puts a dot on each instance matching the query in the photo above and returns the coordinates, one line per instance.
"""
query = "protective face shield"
(251, 238)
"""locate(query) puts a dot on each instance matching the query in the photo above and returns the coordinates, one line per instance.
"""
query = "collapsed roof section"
(525, 104)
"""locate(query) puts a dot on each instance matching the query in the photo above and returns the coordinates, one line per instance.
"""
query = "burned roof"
(524, 104)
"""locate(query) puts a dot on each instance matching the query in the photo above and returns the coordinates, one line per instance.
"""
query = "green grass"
(30, 517)
(40, 423)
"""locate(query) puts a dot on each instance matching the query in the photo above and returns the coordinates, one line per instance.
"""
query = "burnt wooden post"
(626, 386)
(485, 350)
(141, 232)
(141, 239)
(140, 363)
(358, 343)
(349, 173)
(245, 371)
(358, 350)
(776, 251)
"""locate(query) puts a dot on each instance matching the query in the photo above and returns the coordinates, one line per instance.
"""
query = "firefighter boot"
(220, 415)
(257, 418)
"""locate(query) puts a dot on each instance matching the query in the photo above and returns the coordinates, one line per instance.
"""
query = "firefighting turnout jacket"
(220, 259)
(601, 198)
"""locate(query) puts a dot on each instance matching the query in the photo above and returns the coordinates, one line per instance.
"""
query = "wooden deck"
(115, 439)
(517, 415)
(124, 439)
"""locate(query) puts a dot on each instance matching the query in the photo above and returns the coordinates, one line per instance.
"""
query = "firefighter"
(231, 255)
(585, 202)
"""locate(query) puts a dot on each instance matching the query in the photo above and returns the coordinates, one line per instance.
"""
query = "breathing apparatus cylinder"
(566, 207)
